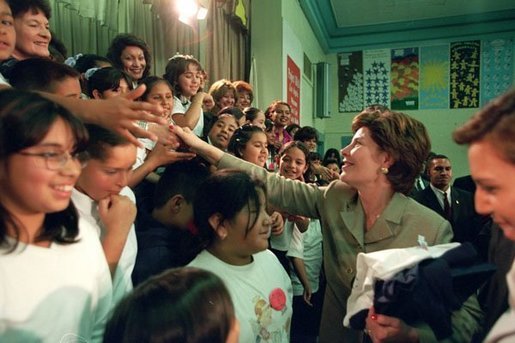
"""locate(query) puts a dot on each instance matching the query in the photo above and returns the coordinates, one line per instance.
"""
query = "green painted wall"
(266, 50)
(439, 123)
(279, 28)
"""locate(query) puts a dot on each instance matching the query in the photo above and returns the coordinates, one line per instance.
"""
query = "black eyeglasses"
(57, 161)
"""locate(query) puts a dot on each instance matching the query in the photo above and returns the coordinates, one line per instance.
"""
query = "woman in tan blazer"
(365, 211)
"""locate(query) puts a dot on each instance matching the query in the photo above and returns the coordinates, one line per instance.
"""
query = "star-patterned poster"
(404, 79)
(465, 60)
(496, 68)
(350, 81)
(376, 65)
(434, 77)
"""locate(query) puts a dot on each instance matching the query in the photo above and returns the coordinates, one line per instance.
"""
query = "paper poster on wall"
(404, 79)
(376, 65)
(350, 81)
(464, 72)
(496, 68)
(293, 89)
(434, 77)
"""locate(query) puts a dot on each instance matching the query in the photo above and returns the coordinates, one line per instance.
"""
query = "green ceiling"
(344, 25)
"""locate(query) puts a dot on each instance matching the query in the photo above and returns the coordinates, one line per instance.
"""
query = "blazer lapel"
(385, 225)
(353, 218)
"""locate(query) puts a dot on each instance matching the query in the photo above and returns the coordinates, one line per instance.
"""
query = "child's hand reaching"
(277, 223)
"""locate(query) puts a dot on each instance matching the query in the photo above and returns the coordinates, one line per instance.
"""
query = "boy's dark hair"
(226, 192)
(105, 79)
(39, 74)
(88, 61)
(179, 305)
(314, 156)
(306, 133)
(328, 161)
(183, 178)
(269, 125)
(232, 110)
(20, 7)
(100, 138)
(291, 128)
(251, 113)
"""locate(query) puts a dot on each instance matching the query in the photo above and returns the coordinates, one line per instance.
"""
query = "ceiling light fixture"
(190, 10)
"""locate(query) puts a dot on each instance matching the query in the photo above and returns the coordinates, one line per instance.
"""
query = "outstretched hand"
(381, 328)
(277, 223)
(121, 114)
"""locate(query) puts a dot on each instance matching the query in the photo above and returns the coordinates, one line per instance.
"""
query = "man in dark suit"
(454, 204)
(466, 183)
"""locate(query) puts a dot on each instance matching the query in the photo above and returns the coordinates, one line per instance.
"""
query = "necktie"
(420, 184)
(446, 207)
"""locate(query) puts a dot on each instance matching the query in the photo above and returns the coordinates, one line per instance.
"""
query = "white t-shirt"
(88, 211)
(179, 107)
(255, 290)
(57, 294)
(504, 329)
(282, 242)
(307, 246)
(3, 81)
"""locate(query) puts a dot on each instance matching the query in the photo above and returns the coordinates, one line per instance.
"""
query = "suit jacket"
(341, 215)
(465, 222)
(420, 184)
(466, 183)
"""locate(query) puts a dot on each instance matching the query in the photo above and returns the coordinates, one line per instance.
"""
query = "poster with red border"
(293, 89)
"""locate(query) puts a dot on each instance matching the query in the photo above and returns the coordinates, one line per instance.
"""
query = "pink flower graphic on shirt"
(277, 299)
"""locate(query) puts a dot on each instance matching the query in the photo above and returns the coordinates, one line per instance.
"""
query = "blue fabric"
(431, 290)
(160, 247)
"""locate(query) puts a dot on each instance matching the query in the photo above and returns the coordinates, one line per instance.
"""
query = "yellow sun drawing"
(435, 76)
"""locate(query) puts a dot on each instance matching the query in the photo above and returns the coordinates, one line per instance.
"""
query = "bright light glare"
(187, 8)
(202, 13)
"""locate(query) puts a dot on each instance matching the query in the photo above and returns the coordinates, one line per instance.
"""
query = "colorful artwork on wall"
(496, 68)
(350, 79)
(376, 66)
(464, 74)
(434, 77)
(404, 79)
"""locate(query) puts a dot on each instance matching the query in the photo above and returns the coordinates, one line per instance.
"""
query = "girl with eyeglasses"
(54, 279)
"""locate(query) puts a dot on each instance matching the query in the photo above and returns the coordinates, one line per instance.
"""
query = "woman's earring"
(384, 170)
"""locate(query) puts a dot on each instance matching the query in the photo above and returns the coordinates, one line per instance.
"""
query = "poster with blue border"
(434, 77)
(496, 68)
